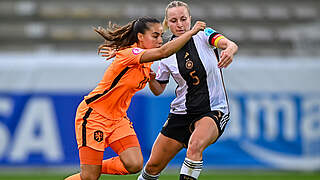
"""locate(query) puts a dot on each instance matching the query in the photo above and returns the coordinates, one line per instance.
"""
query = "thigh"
(121, 129)
(213, 122)
(124, 143)
(205, 132)
(129, 151)
(163, 150)
(91, 128)
(177, 128)
(90, 156)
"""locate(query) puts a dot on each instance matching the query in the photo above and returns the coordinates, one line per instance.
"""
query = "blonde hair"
(172, 5)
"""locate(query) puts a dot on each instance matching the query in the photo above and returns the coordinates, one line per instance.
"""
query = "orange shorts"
(97, 132)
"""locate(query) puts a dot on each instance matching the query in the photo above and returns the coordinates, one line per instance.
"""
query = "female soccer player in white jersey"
(200, 111)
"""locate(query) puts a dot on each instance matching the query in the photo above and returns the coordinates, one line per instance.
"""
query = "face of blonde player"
(152, 38)
(179, 20)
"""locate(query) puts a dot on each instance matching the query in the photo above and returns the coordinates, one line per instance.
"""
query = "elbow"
(156, 88)
(156, 93)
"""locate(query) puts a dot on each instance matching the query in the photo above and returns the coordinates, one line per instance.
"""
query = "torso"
(200, 82)
(123, 78)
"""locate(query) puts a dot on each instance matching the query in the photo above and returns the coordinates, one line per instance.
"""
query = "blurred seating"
(254, 24)
(287, 34)
(221, 11)
(6, 8)
(135, 10)
(277, 12)
(107, 10)
(12, 31)
(62, 32)
(52, 10)
(25, 8)
(305, 12)
(250, 12)
(235, 33)
(259, 33)
(17, 8)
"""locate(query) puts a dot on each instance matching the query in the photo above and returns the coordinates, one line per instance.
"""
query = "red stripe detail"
(214, 38)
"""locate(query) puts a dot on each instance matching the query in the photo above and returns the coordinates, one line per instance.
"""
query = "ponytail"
(119, 37)
(116, 37)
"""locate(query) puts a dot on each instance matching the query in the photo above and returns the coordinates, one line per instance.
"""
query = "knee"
(134, 167)
(153, 168)
(195, 149)
(89, 176)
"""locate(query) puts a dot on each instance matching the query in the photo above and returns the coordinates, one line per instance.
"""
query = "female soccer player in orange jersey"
(101, 118)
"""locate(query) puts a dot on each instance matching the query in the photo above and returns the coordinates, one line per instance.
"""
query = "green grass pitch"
(225, 175)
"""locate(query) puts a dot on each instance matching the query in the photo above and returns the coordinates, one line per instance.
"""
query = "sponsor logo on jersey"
(186, 55)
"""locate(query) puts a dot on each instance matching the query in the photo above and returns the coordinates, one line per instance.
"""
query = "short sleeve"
(163, 73)
(131, 56)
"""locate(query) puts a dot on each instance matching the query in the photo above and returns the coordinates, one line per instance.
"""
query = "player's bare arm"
(229, 50)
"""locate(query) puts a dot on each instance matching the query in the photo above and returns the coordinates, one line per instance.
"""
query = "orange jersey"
(122, 79)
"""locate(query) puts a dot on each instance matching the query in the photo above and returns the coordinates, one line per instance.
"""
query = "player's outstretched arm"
(171, 47)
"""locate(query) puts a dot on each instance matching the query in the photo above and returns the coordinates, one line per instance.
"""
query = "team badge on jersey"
(189, 64)
(208, 31)
(136, 51)
(98, 136)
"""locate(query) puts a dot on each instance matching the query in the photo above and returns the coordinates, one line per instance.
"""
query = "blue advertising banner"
(275, 117)
(38, 129)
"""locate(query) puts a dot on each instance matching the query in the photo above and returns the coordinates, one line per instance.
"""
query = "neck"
(139, 45)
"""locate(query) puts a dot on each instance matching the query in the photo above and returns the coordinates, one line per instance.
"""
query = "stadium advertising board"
(275, 115)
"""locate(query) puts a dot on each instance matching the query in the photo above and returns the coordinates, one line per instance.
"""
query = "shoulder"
(206, 33)
(136, 50)
(129, 56)
(130, 51)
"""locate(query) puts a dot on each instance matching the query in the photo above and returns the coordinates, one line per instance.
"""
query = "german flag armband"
(214, 36)
(215, 39)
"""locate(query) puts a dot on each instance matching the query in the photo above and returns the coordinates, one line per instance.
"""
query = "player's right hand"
(107, 52)
(199, 26)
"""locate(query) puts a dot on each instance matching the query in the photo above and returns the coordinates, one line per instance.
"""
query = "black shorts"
(181, 126)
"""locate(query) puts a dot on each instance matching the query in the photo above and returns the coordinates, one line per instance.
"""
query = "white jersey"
(195, 69)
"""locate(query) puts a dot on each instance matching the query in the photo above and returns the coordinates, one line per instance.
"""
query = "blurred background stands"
(260, 27)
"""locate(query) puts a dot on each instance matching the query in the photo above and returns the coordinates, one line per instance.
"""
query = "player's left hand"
(226, 58)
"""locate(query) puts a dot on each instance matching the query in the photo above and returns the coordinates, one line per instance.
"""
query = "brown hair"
(119, 37)
(172, 5)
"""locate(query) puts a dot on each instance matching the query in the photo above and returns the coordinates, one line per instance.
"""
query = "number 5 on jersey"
(195, 78)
